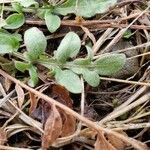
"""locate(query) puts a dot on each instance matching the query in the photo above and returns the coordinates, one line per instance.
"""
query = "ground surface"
(115, 115)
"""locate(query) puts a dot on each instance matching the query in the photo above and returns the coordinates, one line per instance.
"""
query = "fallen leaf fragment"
(116, 142)
(69, 124)
(33, 103)
(62, 95)
(52, 128)
(102, 143)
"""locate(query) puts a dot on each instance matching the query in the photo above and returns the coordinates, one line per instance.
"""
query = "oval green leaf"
(69, 47)
(14, 21)
(69, 80)
(85, 8)
(8, 43)
(21, 66)
(109, 64)
(79, 65)
(91, 77)
(35, 42)
(17, 7)
(52, 21)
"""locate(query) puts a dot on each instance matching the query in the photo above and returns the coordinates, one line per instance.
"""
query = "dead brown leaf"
(52, 128)
(102, 143)
(116, 142)
(69, 124)
(20, 95)
(62, 95)
(33, 103)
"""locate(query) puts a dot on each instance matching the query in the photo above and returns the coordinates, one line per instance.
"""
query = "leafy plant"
(50, 12)
(66, 68)
(64, 65)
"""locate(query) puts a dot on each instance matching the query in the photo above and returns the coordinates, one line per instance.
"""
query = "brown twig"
(85, 22)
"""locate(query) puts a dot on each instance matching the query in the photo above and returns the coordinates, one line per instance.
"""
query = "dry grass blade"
(20, 95)
(3, 136)
(6, 98)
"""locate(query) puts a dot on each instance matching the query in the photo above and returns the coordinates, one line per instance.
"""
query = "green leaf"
(69, 47)
(91, 77)
(78, 65)
(8, 43)
(17, 7)
(109, 64)
(33, 76)
(17, 36)
(69, 80)
(41, 12)
(127, 34)
(15, 21)
(21, 66)
(52, 21)
(85, 8)
(35, 42)
(27, 3)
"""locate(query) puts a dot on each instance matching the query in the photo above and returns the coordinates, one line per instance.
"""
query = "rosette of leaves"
(35, 43)
(69, 47)
(67, 73)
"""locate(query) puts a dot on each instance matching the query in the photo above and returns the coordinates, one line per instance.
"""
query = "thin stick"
(12, 148)
(130, 126)
(144, 54)
(120, 112)
(125, 81)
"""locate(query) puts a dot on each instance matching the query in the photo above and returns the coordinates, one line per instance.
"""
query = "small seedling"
(67, 73)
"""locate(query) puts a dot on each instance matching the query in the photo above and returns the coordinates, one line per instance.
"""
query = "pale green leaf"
(17, 7)
(14, 21)
(52, 21)
(8, 43)
(85, 8)
(69, 47)
(33, 76)
(35, 42)
(22, 66)
(78, 65)
(91, 77)
(69, 80)
(109, 64)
